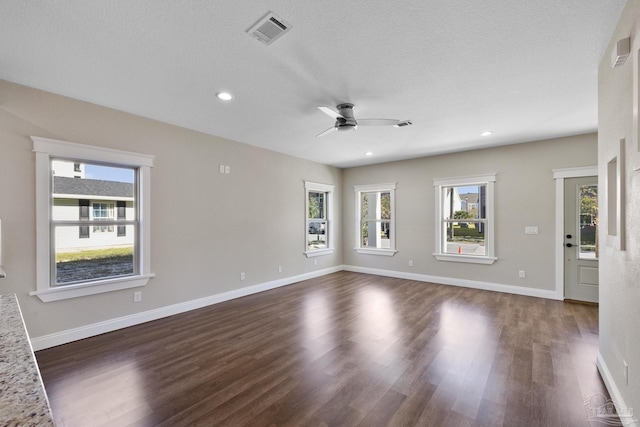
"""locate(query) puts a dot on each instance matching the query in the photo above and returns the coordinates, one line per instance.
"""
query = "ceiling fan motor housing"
(347, 121)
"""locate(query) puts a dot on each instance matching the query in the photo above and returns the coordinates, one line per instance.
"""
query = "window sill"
(318, 252)
(383, 252)
(91, 288)
(466, 258)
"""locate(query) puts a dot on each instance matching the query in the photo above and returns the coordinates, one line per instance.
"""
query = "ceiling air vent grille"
(269, 29)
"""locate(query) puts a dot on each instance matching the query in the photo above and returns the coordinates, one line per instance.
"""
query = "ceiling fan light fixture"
(486, 133)
(368, 153)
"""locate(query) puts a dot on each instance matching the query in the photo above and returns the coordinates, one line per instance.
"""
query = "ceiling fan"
(346, 121)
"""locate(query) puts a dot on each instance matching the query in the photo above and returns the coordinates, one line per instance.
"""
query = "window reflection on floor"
(124, 402)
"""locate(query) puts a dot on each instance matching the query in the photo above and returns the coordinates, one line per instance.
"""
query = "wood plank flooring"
(346, 349)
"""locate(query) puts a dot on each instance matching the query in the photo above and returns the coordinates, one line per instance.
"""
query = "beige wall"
(524, 196)
(620, 270)
(206, 227)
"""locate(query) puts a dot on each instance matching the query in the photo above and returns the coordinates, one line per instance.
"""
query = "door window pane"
(588, 220)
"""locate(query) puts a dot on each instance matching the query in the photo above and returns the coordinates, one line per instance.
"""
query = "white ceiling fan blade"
(331, 129)
(331, 113)
(378, 122)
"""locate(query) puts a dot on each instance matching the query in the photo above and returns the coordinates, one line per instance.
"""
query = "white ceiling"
(527, 70)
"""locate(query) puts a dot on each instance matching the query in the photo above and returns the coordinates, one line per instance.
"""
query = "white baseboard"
(487, 286)
(67, 336)
(63, 337)
(614, 392)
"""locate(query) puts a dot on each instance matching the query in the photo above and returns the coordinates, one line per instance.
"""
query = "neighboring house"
(92, 200)
(469, 203)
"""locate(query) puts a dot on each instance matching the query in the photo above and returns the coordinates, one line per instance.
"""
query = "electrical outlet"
(221, 168)
(315, 262)
(279, 269)
(227, 169)
(522, 274)
(410, 263)
(242, 276)
(137, 296)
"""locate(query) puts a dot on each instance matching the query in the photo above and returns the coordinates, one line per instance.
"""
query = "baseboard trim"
(70, 335)
(474, 284)
(614, 391)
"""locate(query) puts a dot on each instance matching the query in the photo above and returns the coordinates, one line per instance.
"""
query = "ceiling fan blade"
(327, 131)
(378, 122)
(331, 113)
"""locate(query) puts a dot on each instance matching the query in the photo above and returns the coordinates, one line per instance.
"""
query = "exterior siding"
(68, 237)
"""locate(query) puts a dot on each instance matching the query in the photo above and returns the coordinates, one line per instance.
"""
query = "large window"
(92, 227)
(464, 219)
(375, 227)
(319, 226)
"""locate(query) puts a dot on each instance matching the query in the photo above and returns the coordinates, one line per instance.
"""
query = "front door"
(581, 239)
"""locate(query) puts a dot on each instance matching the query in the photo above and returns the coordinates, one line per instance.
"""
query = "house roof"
(469, 197)
(92, 188)
(527, 70)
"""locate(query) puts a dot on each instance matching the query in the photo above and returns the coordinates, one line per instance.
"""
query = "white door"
(581, 239)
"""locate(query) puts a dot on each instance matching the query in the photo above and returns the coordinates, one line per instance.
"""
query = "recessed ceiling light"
(225, 96)
(486, 133)
(368, 153)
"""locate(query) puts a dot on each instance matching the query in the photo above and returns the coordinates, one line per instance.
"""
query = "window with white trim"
(375, 219)
(319, 219)
(79, 251)
(465, 219)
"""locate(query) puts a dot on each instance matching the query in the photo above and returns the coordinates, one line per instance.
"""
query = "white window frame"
(47, 149)
(489, 182)
(315, 187)
(374, 188)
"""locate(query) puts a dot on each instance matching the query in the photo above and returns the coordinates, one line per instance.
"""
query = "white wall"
(620, 270)
(524, 196)
(207, 227)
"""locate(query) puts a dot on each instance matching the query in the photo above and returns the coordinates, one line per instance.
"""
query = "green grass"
(94, 254)
(467, 232)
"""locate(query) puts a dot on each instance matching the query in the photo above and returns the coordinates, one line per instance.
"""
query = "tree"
(462, 215)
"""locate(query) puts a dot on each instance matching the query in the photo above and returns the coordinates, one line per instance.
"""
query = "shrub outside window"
(464, 219)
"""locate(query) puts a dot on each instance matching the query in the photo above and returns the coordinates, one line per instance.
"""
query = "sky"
(108, 173)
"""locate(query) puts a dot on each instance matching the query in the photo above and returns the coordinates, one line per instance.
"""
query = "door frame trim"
(560, 175)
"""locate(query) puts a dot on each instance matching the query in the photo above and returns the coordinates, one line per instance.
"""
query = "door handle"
(569, 245)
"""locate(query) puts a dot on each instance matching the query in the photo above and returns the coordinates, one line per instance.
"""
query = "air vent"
(269, 29)
(620, 52)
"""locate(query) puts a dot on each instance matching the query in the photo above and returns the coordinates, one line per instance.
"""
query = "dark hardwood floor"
(345, 349)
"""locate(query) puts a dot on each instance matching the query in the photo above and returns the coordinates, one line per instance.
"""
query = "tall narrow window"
(464, 219)
(319, 227)
(375, 206)
(74, 263)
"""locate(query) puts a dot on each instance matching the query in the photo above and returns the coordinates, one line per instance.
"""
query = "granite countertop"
(23, 400)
